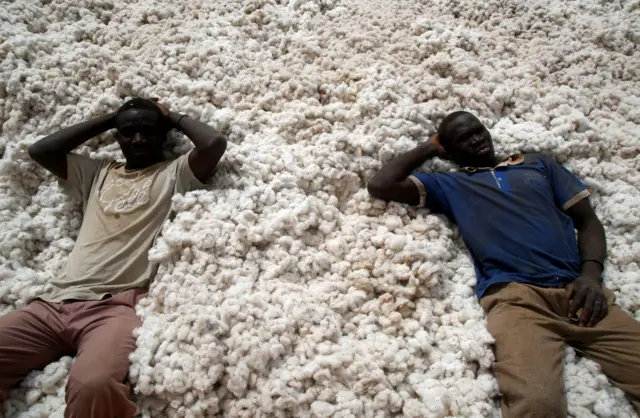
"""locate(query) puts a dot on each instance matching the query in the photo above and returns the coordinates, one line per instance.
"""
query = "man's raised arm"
(210, 144)
(392, 182)
(51, 151)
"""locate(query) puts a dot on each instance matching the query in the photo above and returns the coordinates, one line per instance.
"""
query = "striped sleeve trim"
(421, 190)
(575, 199)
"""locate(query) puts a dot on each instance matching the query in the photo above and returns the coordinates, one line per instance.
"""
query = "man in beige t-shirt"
(91, 310)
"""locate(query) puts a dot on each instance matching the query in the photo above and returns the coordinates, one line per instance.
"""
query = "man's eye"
(147, 132)
(126, 132)
(465, 139)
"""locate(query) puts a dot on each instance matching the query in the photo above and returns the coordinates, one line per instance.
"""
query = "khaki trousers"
(531, 328)
(99, 333)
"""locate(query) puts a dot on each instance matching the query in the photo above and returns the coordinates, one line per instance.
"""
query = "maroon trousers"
(99, 333)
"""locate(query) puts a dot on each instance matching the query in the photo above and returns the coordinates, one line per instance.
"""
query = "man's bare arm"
(210, 144)
(392, 182)
(51, 151)
(591, 238)
(586, 291)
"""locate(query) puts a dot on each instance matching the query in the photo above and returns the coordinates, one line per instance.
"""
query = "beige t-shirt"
(123, 213)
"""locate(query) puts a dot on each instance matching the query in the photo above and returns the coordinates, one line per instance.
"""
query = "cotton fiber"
(283, 289)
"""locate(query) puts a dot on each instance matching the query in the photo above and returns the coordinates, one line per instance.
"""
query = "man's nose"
(137, 138)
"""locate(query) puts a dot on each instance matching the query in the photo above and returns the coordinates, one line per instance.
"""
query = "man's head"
(142, 130)
(466, 140)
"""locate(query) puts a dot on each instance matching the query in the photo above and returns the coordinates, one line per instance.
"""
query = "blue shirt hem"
(482, 288)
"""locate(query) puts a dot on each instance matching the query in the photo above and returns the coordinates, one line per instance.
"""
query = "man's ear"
(445, 155)
(166, 126)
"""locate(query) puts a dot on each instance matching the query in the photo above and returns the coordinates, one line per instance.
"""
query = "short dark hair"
(443, 129)
(139, 103)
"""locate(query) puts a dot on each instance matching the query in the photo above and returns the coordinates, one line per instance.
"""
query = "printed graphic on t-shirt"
(124, 195)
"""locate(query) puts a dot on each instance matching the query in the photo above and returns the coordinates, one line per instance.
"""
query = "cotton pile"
(283, 289)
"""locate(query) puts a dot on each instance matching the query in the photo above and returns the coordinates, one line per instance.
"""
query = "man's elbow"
(215, 148)
(36, 152)
(221, 142)
(218, 145)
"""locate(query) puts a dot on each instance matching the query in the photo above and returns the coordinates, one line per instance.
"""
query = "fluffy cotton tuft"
(284, 289)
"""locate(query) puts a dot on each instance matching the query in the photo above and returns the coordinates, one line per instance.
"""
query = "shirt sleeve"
(432, 192)
(81, 173)
(185, 179)
(567, 188)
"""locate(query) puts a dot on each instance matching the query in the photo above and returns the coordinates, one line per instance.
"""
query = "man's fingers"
(596, 313)
(435, 140)
(605, 309)
(576, 302)
(587, 308)
(570, 291)
(163, 109)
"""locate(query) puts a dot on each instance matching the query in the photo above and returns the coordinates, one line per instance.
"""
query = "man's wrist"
(429, 150)
(173, 114)
(591, 268)
(176, 119)
(109, 120)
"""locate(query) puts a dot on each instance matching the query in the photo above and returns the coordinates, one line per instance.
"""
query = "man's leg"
(96, 386)
(614, 343)
(529, 349)
(29, 340)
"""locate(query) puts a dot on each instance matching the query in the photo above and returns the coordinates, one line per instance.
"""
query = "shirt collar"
(513, 160)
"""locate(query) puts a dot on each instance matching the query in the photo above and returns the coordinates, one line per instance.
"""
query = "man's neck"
(489, 163)
(142, 164)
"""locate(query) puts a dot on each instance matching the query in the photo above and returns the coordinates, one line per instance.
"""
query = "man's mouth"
(483, 149)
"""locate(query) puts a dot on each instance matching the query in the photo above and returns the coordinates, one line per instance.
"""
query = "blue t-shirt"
(512, 218)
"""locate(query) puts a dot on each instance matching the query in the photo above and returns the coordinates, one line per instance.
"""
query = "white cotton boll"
(396, 242)
(238, 380)
(393, 222)
(428, 274)
(33, 396)
(322, 409)
(414, 409)
(604, 407)
(336, 246)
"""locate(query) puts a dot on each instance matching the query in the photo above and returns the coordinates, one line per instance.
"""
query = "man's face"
(469, 142)
(140, 135)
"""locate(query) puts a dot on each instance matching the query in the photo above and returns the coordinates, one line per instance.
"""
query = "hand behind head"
(163, 109)
(434, 140)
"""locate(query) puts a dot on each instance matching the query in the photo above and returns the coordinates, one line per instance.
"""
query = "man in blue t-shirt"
(539, 285)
